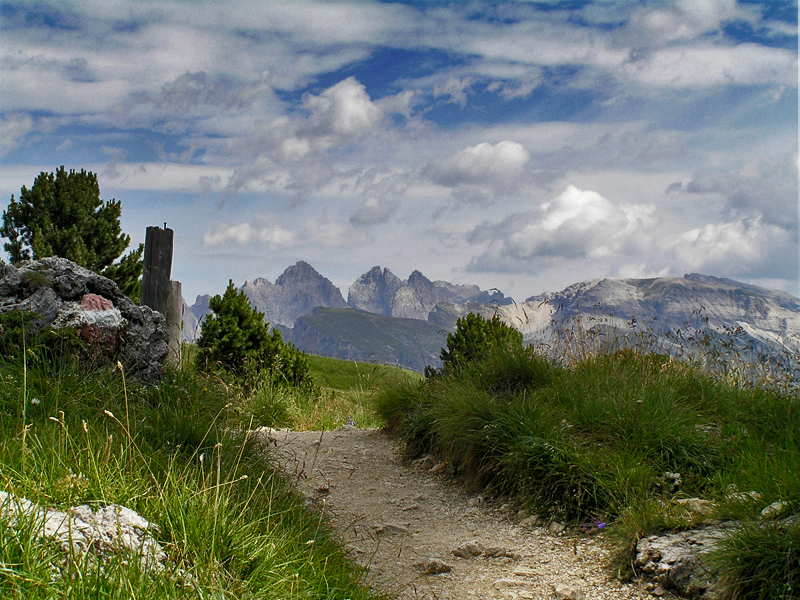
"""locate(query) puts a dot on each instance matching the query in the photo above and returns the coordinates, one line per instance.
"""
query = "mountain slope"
(690, 303)
(364, 336)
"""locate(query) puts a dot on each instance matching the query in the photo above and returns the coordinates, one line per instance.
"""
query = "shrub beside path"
(402, 521)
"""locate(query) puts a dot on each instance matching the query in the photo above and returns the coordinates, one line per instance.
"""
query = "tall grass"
(177, 455)
(602, 436)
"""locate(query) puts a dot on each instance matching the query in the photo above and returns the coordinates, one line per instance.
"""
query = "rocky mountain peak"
(299, 273)
(384, 293)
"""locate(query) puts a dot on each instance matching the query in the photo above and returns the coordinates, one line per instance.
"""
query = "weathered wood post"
(174, 321)
(157, 268)
(158, 292)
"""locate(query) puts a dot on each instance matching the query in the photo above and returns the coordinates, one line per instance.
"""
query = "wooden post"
(174, 320)
(157, 268)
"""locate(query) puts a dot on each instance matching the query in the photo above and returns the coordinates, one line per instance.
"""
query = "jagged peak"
(298, 271)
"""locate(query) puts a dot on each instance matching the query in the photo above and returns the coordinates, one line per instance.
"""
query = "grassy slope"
(593, 442)
(346, 393)
(229, 526)
(377, 337)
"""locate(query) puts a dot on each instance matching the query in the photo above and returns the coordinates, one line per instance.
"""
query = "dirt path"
(403, 522)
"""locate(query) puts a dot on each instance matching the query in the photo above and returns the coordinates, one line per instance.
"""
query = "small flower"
(35, 402)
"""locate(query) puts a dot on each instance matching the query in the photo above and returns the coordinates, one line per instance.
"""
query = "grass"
(231, 528)
(595, 439)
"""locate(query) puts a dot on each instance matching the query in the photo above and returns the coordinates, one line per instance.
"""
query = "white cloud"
(576, 225)
(706, 65)
(687, 19)
(736, 248)
(373, 212)
(344, 109)
(327, 233)
(265, 229)
(455, 89)
(476, 164)
(13, 129)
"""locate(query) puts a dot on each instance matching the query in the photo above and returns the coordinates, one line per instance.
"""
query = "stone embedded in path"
(564, 591)
(468, 549)
(392, 529)
(433, 566)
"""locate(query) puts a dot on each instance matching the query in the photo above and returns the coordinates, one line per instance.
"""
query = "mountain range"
(405, 321)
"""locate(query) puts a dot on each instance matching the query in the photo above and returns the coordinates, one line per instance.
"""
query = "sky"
(522, 146)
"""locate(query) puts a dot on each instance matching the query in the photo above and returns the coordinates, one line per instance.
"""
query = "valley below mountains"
(391, 320)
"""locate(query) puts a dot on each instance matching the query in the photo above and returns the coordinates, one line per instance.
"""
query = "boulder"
(64, 294)
(676, 561)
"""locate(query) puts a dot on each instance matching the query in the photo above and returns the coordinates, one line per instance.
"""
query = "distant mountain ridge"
(301, 289)
(404, 321)
(666, 303)
(383, 293)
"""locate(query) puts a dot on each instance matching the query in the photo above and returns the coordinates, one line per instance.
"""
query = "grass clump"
(619, 438)
(179, 456)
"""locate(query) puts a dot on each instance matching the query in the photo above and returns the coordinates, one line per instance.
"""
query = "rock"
(433, 566)
(697, 505)
(744, 497)
(676, 561)
(773, 510)
(392, 529)
(556, 527)
(64, 294)
(468, 549)
(532, 521)
(108, 531)
(569, 592)
(508, 582)
(437, 467)
(500, 552)
(298, 291)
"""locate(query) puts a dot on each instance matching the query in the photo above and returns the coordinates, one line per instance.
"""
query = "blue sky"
(517, 145)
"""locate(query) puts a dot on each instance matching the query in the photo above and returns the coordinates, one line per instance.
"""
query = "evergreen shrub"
(235, 338)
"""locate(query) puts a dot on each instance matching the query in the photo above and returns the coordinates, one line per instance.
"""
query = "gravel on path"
(403, 520)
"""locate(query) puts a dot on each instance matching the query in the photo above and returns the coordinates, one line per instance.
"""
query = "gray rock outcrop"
(298, 291)
(381, 292)
(64, 294)
(108, 531)
(676, 561)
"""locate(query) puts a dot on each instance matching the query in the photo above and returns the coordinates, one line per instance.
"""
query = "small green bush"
(236, 339)
(474, 339)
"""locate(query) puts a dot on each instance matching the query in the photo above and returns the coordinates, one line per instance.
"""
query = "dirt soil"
(402, 520)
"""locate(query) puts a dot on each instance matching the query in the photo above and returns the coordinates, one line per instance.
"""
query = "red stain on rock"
(101, 341)
(95, 302)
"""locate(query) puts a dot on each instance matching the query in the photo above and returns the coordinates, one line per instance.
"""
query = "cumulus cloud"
(476, 163)
(344, 109)
(744, 248)
(373, 212)
(479, 173)
(13, 130)
(265, 229)
(576, 225)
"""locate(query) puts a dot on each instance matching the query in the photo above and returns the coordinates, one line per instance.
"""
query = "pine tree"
(236, 338)
(62, 215)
